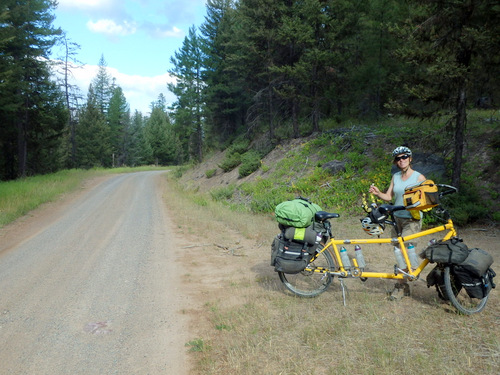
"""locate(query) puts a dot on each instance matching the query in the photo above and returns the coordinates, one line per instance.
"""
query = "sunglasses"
(403, 157)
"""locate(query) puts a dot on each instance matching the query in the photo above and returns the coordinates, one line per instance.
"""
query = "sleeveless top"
(399, 189)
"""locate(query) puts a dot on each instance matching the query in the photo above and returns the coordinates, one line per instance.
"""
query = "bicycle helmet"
(371, 228)
(401, 150)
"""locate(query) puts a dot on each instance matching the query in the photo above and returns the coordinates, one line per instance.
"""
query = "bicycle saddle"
(323, 215)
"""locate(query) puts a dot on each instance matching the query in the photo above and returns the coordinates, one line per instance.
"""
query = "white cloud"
(85, 4)
(139, 91)
(174, 32)
(110, 27)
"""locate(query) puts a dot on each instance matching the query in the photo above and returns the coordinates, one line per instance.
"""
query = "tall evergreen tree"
(256, 53)
(225, 95)
(26, 37)
(119, 124)
(72, 95)
(445, 44)
(188, 66)
(93, 135)
(103, 86)
(139, 149)
(164, 143)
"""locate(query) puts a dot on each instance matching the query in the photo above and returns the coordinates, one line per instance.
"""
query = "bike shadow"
(268, 280)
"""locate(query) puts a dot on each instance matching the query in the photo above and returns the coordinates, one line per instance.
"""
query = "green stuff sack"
(298, 213)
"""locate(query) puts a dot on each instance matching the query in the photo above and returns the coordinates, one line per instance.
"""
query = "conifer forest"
(251, 68)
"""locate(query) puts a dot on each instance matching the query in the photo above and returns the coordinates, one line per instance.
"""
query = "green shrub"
(240, 146)
(250, 162)
(222, 194)
(210, 173)
(231, 161)
(234, 154)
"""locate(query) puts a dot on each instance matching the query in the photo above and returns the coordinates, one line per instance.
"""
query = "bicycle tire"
(459, 298)
(309, 283)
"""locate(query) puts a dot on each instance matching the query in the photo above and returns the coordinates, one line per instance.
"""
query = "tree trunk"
(295, 121)
(461, 122)
(22, 149)
(271, 110)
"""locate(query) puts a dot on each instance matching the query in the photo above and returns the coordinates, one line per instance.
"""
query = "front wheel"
(314, 280)
(459, 297)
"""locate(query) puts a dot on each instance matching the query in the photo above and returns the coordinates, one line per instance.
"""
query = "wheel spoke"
(314, 280)
(459, 297)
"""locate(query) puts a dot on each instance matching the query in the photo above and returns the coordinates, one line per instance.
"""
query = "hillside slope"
(362, 151)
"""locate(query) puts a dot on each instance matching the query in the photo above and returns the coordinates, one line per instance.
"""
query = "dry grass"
(249, 324)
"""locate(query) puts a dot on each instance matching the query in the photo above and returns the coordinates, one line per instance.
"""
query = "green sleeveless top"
(399, 189)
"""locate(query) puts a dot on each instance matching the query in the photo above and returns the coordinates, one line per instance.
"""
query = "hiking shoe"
(400, 290)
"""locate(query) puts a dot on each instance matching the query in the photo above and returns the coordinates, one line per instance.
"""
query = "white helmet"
(371, 228)
(401, 150)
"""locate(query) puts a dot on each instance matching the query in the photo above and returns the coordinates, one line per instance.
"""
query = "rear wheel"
(314, 280)
(459, 297)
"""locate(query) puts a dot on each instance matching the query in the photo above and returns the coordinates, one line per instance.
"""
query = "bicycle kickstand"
(344, 291)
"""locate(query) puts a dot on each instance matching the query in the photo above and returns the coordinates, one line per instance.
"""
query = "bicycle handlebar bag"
(422, 196)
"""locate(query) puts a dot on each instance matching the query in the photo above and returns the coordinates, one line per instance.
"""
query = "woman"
(405, 223)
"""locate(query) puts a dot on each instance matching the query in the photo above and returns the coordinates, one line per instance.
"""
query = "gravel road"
(91, 285)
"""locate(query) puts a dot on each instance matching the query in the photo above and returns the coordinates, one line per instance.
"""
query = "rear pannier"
(476, 287)
(290, 256)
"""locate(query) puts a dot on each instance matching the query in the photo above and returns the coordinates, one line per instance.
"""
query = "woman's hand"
(374, 190)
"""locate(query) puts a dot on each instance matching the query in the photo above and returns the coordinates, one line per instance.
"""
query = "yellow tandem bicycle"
(326, 263)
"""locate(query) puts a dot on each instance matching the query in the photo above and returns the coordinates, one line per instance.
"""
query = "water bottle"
(345, 258)
(422, 253)
(359, 257)
(399, 258)
(412, 255)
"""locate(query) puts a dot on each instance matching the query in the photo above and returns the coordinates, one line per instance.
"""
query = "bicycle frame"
(355, 271)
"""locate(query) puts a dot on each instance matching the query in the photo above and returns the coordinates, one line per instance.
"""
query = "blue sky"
(136, 38)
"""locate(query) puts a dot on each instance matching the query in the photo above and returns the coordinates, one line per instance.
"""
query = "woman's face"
(402, 161)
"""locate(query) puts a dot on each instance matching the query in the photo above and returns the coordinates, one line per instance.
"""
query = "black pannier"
(436, 278)
(477, 262)
(476, 287)
(290, 256)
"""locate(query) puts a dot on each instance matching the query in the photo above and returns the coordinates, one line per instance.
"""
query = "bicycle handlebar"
(451, 189)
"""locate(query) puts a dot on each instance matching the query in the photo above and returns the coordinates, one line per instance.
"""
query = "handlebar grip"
(451, 189)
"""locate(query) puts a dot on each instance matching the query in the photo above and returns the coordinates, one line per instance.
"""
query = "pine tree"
(119, 124)
(26, 37)
(72, 95)
(225, 93)
(139, 149)
(445, 46)
(164, 143)
(103, 86)
(93, 135)
(188, 66)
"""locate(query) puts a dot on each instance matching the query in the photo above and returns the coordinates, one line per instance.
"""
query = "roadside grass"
(249, 324)
(18, 197)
